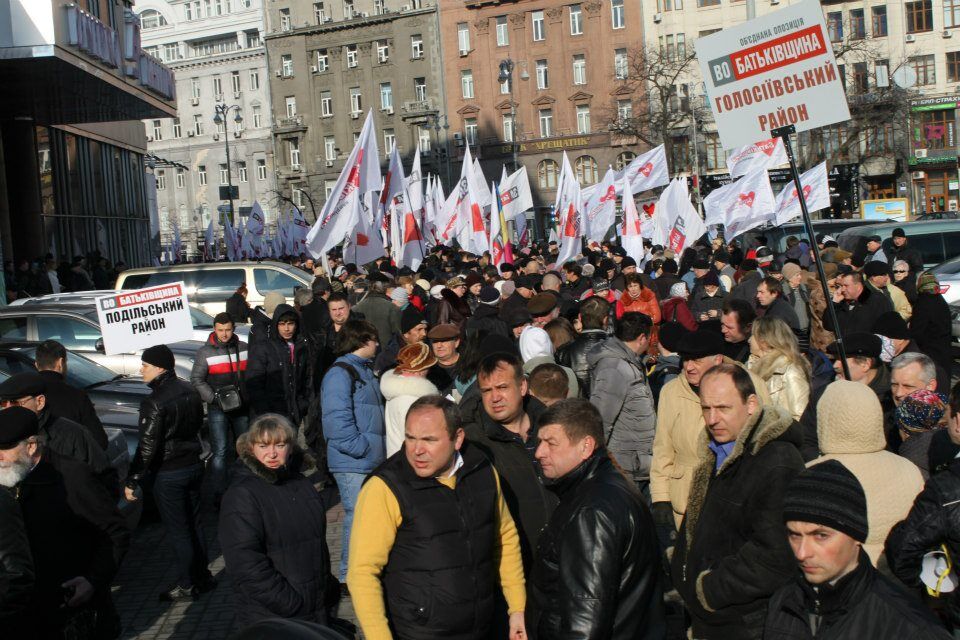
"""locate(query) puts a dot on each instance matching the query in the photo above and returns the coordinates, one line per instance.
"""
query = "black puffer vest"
(440, 578)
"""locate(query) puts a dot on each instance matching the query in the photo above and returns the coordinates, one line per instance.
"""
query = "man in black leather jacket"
(594, 316)
(597, 569)
(169, 451)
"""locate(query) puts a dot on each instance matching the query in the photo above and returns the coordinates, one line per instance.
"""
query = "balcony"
(290, 124)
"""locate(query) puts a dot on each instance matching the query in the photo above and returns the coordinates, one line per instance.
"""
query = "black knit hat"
(891, 324)
(159, 355)
(409, 318)
(828, 494)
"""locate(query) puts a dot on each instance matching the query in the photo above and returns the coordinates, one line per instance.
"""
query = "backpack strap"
(355, 380)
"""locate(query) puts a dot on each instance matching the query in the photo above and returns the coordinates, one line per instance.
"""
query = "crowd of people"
(604, 448)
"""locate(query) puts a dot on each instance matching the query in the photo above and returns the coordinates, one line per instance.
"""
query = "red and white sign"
(742, 205)
(134, 320)
(774, 70)
(765, 154)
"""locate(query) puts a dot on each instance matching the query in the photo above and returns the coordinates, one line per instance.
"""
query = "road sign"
(772, 71)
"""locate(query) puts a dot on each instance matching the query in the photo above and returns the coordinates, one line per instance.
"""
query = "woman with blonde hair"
(775, 357)
(273, 527)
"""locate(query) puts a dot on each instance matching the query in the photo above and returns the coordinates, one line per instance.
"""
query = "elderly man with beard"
(77, 537)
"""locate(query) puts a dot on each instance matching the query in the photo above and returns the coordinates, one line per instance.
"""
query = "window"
(583, 119)
(71, 333)
(624, 110)
(708, 3)
(953, 66)
(257, 116)
(416, 46)
(285, 20)
(919, 16)
(157, 131)
(936, 130)
(881, 73)
(13, 329)
(420, 89)
(670, 5)
(835, 26)
(171, 52)
(576, 20)
(224, 174)
(860, 77)
(348, 10)
(181, 178)
(503, 35)
(470, 130)
(624, 159)
(585, 167)
(151, 19)
(261, 169)
(616, 14)
(543, 80)
(383, 51)
(266, 280)
(423, 139)
(716, 156)
(297, 196)
(879, 18)
(579, 69)
(329, 148)
(386, 96)
(507, 127)
(389, 141)
(319, 13)
(191, 9)
(161, 176)
(620, 64)
(221, 126)
(925, 68)
(951, 13)
(291, 104)
(217, 7)
(242, 171)
(356, 101)
(328, 186)
(463, 38)
(323, 60)
(466, 83)
(293, 145)
(351, 56)
(197, 124)
(326, 104)
(539, 32)
(505, 87)
(546, 122)
(378, 7)
(218, 88)
(547, 172)
(235, 82)
(202, 175)
(286, 65)
(194, 87)
(858, 28)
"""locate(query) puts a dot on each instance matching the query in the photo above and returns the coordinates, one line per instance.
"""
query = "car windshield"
(200, 319)
(948, 268)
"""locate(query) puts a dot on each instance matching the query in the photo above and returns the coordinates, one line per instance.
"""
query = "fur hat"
(415, 357)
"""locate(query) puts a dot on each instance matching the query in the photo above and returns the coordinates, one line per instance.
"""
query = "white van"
(210, 284)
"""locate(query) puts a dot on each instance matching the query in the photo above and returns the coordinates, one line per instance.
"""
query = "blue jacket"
(353, 418)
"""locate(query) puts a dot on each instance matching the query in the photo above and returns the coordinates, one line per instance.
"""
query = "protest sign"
(134, 320)
(772, 71)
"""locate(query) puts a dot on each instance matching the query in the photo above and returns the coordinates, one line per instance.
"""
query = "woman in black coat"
(237, 305)
(273, 528)
(930, 324)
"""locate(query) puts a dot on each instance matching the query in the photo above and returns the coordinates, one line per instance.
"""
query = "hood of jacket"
(849, 419)
(213, 341)
(612, 348)
(393, 385)
(278, 313)
(300, 462)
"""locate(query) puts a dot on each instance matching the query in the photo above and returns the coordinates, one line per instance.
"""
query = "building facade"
(568, 84)
(76, 84)
(217, 54)
(331, 63)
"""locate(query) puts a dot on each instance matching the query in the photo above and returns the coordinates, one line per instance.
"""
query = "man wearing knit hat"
(838, 594)
(877, 274)
(413, 329)
(487, 317)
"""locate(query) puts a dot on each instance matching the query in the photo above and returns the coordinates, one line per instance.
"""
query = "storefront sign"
(92, 37)
(556, 144)
(772, 71)
(888, 210)
(134, 320)
(932, 104)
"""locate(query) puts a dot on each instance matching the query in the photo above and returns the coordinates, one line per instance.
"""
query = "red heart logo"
(649, 208)
(646, 169)
(362, 240)
(747, 199)
(767, 146)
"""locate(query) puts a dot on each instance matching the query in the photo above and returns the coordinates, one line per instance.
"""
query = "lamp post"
(220, 117)
(435, 118)
(506, 75)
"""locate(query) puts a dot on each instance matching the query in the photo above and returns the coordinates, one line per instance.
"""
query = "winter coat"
(732, 553)
(861, 446)
(909, 287)
(239, 309)
(788, 384)
(782, 309)
(219, 364)
(260, 325)
(662, 284)
(381, 313)
(677, 310)
(577, 289)
(820, 337)
(66, 401)
(598, 562)
(485, 321)
(701, 302)
(622, 395)
(353, 417)
(273, 536)
(400, 392)
(916, 449)
(899, 300)
(909, 255)
(862, 604)
(170, 421)
(16, 565)
(676, 451)
(274, 384)
(574, 355)
(646, 304)
(665, 369)
(932, 329)
(451, 309)
(746, 288)
(933, 520)
(858, 316)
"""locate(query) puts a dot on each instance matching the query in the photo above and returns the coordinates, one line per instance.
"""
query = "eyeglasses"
(900, 271)
(6, 404)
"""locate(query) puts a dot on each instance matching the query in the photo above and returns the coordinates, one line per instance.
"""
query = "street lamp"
(506, 75)
(220, 117)
(435, 118)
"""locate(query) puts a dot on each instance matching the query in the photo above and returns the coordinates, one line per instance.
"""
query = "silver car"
(948, 275)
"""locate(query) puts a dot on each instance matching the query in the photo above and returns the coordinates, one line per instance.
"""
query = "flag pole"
(784, 134)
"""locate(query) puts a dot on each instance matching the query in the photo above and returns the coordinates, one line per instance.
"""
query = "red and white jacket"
(219, 364)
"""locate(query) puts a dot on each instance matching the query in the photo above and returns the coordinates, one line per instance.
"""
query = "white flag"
(646, 171)
(816, 191)
(364, 244)
(684, 224)
(600, 210)
(567, 210)
(631, 236)
(742, 205)
(515, 196)
(753, 157)
(255, 223)
(410, 237)
(474, 237)
(451, 215)
(361, 173)
(480, 183)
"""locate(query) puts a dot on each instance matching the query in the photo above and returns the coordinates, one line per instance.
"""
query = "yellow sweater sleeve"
(375, 523)
(511, 561)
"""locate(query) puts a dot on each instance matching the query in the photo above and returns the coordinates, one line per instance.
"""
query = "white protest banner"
(765, 154)
(816, 193)
(135, 320)
(774, 70)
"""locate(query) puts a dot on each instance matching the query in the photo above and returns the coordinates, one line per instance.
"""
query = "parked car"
(76, 326)
(210, 284)
(948, 275)
(936, 240)
(777, 236)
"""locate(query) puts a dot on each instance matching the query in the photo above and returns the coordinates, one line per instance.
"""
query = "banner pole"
(784, 134)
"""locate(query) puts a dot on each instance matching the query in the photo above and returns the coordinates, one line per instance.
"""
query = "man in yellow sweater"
(433, 539)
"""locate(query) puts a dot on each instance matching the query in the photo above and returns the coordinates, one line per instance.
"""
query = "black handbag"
(228, 396)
